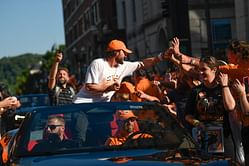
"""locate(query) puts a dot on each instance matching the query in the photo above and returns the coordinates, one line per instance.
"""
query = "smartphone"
(246, 82)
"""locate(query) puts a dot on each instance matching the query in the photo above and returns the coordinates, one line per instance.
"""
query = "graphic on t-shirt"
(112, 77)
(209, 104)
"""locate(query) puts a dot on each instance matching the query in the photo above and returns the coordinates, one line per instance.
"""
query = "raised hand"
(176, 46)
(58, 57)
(223, 79)
(239, 87)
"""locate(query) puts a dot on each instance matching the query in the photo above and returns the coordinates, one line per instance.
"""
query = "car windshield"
(99, 127)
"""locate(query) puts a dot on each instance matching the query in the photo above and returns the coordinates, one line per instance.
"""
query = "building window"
(80, 29)
(71, 36)
(92, 18)
(75, 33)
(124, 13)
(95, 11)
(221, 33)
(67, 38)
(83, 25)
(134, 10)
(87, 20)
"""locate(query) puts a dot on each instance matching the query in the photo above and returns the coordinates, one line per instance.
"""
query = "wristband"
(224, 86)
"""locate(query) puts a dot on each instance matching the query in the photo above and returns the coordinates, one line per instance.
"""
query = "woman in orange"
(238, 71)
(243, 98)
(238, 59)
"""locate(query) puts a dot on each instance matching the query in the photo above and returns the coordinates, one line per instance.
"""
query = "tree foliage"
(27, 73)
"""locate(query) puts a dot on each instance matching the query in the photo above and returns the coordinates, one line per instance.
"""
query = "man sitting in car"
(127, 125)
(54, 135)
(55, 128)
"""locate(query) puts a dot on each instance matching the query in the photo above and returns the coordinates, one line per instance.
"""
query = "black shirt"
(61, 96)
(206, 105)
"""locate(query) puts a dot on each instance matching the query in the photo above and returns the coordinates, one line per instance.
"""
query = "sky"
(30, 26)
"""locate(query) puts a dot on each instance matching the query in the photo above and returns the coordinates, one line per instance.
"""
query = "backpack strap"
(72, 90)
(56, 94)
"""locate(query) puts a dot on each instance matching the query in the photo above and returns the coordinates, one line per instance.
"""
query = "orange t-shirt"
(115, 141)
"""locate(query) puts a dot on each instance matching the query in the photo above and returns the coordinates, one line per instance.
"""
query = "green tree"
(17, 73)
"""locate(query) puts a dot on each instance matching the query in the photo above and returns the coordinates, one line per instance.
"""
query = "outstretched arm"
(147, 97)
(185, 59)
(149, 62)
(54, 70)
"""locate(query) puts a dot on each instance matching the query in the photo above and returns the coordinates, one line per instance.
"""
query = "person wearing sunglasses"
(55, 127)
(127, 125)
(54, 136)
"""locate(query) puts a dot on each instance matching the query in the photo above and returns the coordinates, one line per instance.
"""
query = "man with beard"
(104, 75)
(60, 92)
(54, 136)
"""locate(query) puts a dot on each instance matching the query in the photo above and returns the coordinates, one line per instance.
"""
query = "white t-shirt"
(100, 70)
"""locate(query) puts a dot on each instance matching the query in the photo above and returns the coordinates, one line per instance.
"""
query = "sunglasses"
(52, 127)
(121, 122)
(131, 120)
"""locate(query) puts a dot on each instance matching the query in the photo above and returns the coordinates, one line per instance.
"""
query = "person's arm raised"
(54, 70)
(185, 59)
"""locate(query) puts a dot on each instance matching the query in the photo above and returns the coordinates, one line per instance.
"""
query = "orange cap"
(126, 87)
(125, 92)
(125, 114)
(115, 45)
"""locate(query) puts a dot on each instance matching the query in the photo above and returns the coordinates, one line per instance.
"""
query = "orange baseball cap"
(115, 45)
(126, 87)
(125, 114)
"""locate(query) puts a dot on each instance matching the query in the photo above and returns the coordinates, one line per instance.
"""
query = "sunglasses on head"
(52, 127)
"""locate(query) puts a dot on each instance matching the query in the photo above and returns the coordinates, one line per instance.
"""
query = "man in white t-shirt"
(104, 75)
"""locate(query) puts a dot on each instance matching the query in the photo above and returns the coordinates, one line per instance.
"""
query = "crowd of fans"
(200, 92)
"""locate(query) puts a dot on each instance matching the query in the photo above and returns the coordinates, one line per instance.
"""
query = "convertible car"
(105, 134)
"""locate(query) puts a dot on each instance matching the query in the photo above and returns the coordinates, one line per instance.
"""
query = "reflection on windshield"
(102, 128)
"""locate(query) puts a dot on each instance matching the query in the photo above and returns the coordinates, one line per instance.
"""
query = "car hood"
(134, 157)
